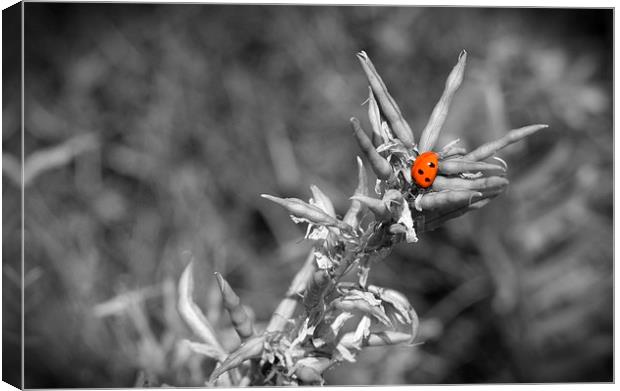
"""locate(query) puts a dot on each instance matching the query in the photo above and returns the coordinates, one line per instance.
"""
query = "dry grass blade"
(400, 127)
(190, 312)
(487, 150)
(379, 165)
(49, 158)
(438, 117)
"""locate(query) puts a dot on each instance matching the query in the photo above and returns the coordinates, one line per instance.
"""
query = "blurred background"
(151, 130)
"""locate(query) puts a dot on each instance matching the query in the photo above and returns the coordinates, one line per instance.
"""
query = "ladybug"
(424, 169)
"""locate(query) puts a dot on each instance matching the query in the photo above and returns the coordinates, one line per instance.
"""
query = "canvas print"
(286, 195)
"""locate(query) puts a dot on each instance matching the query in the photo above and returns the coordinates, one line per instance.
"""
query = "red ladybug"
(424, 169)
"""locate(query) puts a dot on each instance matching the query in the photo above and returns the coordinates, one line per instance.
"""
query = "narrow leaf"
(487, 150)
(242, 323)
(379, 165)
(190, 312)
(353, 215)
(322, 201)
(430, 134)
(388, 105)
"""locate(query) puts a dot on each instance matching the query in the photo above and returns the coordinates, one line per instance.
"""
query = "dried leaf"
(407, 222)
(396, 299)
(363, 307)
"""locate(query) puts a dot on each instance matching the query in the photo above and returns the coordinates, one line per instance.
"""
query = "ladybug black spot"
(427, 180)
(420, 171)
(431, 164)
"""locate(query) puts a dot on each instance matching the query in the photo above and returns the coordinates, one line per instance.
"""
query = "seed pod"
(487, 150)
(459, 166)
(388, 105)
(438, 117)
(240, 319)
(353, 215)
(252, 348)
(480, 184)
(379, 165)
(448, 199)
(361, 306)
(375, 205)
(322, 201)
(301, 209)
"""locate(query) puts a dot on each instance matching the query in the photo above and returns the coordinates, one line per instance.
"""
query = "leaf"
(322, 201)
(379, 165)
(487, 150)
(240, 319)
(252, 348)
(388, 105)
(206, 350)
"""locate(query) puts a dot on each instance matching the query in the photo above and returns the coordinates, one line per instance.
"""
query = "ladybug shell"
(424, 169)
